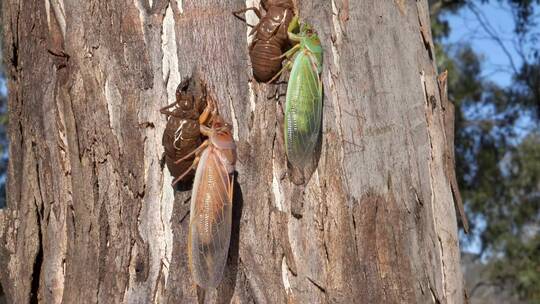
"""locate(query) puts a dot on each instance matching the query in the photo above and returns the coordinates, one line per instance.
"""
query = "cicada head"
(309, 35)
(181, 89)
(191, 95)
(310, 41)
(221, 134)
(222, 138)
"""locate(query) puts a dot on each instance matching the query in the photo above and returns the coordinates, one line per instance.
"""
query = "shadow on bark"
(183, 186)
(226, 289)
(2, 296)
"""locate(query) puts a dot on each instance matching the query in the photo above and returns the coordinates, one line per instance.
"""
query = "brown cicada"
(182, 133)
(271, 39)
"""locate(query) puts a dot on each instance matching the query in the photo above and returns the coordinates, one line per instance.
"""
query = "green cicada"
(303, 108)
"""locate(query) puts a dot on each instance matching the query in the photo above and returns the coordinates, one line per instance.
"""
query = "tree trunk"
(92, 217)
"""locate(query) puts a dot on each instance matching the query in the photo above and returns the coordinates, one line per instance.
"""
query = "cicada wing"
(303, 110)
(210, 220)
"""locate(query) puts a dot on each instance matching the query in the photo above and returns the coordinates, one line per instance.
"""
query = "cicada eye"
(217, 125)
(186, 104)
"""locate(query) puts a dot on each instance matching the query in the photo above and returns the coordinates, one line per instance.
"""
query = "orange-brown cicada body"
(211, 204)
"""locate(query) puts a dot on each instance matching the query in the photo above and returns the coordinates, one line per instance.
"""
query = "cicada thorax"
(211, 208)
(270, 42)
(182, 133)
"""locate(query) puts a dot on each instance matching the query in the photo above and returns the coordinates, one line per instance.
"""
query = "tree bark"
(92, 217)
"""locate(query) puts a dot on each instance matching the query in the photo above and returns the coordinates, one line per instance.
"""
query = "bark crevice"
(38, 263)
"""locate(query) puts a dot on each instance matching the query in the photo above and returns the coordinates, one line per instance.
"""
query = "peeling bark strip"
(92, 218)
(448, 120)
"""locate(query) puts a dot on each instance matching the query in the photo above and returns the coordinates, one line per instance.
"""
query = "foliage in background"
(497, 154)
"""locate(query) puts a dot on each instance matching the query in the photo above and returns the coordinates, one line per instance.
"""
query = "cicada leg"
(194, 152)
(193, 166)
(288, 65)
(195, 161)
(288, 53)
(165, 110)
(293, 27)
(254, 9)
(209, 112)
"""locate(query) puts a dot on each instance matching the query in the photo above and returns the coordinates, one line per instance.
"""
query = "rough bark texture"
(91, 215)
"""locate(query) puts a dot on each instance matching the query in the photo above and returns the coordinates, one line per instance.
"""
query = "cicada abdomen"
(211, 205)
(270, 40)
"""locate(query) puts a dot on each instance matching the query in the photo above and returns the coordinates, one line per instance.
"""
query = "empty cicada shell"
(182, 133)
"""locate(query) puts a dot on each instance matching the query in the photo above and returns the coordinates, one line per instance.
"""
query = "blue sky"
(3, 88)
(498, 57)
(466, 28)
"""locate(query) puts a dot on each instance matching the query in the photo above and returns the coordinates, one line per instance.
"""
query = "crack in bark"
(15, 46)
(156, 285)
(233, 119)
(38, 261)
(434, 296)
(355, 232)
(319, 287)
(424, 32)
(443, 264)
